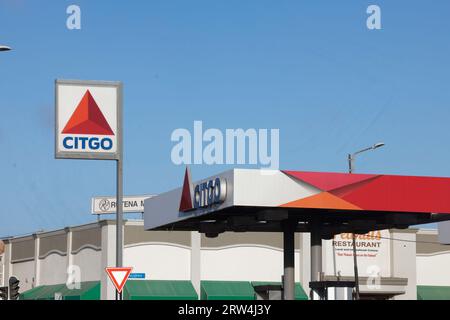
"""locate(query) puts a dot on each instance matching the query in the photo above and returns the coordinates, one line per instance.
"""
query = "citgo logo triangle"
(119, 276)
(88, 119)
(186, 193)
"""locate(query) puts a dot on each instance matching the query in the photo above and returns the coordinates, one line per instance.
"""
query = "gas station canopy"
(243, 200)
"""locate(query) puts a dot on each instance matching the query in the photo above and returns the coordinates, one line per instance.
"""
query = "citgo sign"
(88, 119)
(210, 192)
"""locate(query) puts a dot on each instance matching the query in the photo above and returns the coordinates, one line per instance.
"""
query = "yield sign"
(119, 276)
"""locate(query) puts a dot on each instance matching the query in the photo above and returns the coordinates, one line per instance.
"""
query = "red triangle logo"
(88, 119)
(119, 276)
(186, 193)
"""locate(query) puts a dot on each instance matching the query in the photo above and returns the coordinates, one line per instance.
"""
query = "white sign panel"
(107, 205)
(88, 119)
(372, 250)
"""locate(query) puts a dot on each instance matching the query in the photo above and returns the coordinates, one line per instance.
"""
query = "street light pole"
(350, 163)
(355, 267)
(351, 158)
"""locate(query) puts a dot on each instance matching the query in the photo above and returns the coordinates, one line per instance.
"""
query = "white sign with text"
(372, 252)
(107, 205)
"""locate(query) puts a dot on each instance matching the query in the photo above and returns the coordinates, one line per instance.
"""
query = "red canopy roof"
(375, 192)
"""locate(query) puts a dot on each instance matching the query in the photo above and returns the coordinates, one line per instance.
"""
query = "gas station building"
(225, 238)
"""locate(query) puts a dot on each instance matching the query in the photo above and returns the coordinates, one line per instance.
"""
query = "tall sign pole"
(119, 200)
(119, 220)
(88, 125)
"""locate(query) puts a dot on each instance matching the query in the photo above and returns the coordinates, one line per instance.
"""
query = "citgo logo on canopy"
(87, 128)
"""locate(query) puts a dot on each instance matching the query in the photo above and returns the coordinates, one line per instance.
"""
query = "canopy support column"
(316, 256)
(289, 227)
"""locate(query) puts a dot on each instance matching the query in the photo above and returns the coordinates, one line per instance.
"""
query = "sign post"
(89, 126)
(119, 221)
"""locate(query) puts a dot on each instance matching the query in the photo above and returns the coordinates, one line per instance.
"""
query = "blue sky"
(310, 68)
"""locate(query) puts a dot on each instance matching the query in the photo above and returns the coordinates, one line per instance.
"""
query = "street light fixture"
(351, 158)
(4, 48)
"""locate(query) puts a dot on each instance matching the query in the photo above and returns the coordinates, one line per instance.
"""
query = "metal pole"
(355, 258)
(289, 258)
(350, 170)
(316, 254)
(119, 219)
(355, 267)
(350, 163)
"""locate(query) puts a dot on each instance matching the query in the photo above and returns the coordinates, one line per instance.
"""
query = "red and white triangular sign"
(119, 276)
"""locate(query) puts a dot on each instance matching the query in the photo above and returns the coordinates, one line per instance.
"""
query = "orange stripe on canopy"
(322, 200)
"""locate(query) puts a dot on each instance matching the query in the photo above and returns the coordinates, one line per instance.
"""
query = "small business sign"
(119, 276)
(137, 276)
(372, 251)
(88, 119)
(107, 205)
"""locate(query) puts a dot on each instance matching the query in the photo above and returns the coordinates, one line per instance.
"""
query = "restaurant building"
(70, 263)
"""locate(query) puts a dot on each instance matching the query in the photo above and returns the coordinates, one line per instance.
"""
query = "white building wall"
(304, 262)
(196, 263)
(159, 261)
(433, 270)
(7, 266)
(244, 263)
(24, 271)
(90, 263)
(2, 270)
(108, 259)
(53, 269)
(403, 264)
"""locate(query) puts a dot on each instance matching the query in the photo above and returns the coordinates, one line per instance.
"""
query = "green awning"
(44, 293)
(159, 290)
(89, 290)
(48, 292)
(227, 290)
(299, 293)
(31, 294)
(433, 293)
